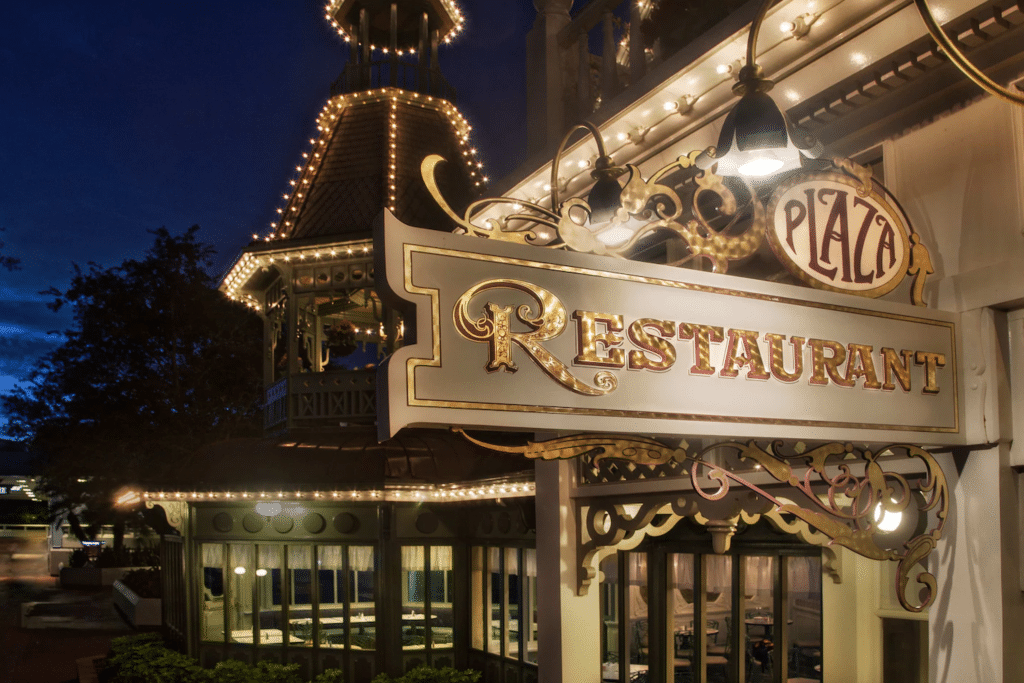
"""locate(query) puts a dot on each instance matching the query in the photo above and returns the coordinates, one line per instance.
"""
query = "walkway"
(43, 628)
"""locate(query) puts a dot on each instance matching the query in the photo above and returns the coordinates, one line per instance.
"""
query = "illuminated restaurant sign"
(840, 233)
(506, 336)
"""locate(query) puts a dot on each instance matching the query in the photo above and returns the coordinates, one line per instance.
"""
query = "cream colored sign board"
(506, 336)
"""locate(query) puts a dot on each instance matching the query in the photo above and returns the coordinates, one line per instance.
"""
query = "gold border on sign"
(435, 360)
(896, 213)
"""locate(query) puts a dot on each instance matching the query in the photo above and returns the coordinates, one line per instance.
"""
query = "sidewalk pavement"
(44, 628)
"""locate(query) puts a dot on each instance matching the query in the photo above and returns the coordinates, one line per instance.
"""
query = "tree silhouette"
(157, 362)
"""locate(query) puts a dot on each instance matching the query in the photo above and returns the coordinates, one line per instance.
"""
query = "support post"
(393, 44)
(609, 77)
(637, 56)
(364, 41)
(567, 653)
(546, 62)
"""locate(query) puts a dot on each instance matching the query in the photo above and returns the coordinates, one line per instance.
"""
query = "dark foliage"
(156, 364)
(8, 262)
(144, 582)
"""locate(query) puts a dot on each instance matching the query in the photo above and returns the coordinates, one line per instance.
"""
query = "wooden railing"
(395, 74)
(322, 399)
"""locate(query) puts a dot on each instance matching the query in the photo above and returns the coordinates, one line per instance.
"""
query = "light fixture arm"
(602, 156)
(755, 28)
(970, 70)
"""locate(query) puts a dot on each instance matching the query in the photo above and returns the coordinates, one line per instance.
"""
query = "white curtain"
(213, 555)
(719, 574)
(360, 558)
(269, 559)
(512, 561)
(440, 558)
(805, 575)
(638, 568)
(330, 556)
(530, 557)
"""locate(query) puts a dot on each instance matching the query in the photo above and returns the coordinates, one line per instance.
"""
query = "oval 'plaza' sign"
(836, 233)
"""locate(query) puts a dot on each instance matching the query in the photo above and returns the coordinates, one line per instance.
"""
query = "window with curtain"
(299, 593)
(330, 571)
(503, 599)
(239, 592)
(212, 604)
(742, 627)
(529, 616)
(328, 590)
(426, 604)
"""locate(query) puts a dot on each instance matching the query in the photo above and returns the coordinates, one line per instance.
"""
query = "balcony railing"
(394, 74)
(321, 399)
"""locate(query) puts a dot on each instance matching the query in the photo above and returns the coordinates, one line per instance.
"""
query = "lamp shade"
(604, 199)
(755, 139)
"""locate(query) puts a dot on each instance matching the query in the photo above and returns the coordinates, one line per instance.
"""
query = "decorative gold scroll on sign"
(825, 475)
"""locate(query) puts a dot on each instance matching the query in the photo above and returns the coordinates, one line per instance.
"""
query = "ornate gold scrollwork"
(652, 204)
(844, 506)
(494, 328)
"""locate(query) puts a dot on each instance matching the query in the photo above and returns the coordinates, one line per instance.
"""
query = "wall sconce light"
(608, 223)
(756, 140)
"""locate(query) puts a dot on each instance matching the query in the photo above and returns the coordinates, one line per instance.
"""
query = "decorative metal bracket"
(848, 494)
(657, 204)
(176, 511)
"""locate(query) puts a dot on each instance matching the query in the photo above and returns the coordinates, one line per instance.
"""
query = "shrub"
(78, 558)
(425, 674)
(145, 659)
(144, 582)
(330, 676)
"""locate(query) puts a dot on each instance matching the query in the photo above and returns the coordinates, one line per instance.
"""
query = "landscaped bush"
(144, 582)
(78, 558)
(424, 674)
(145, 659)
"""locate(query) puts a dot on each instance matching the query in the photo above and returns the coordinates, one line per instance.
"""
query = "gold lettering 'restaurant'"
(604, 339)
(494, 328)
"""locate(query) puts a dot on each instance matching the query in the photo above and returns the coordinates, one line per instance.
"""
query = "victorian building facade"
(771, 537)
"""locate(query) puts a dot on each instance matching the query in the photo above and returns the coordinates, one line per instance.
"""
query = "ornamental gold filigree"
(495, 328)
(732, 234)
(847, 489)
(651, 204)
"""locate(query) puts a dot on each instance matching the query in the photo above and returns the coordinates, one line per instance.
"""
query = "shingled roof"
(348, 181)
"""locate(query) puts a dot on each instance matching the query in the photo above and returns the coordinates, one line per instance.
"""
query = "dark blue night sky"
(122, 117)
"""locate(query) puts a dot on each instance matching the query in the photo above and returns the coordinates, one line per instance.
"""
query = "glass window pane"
(478, 599)
(611, 658)
(271, 619)
(299, 593)
(636, 608)
(242, 571)
(759, 618)
(495, 591)
(529, 617)
(330, 566)
(213, 592)
(439, 580)
(804, 581)
(718, 654)
(413, 597)
(514, 627)
(680, 606)
(362, 609)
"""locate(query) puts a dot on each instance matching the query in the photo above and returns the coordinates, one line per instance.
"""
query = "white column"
(569, 647)
(546, 62)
